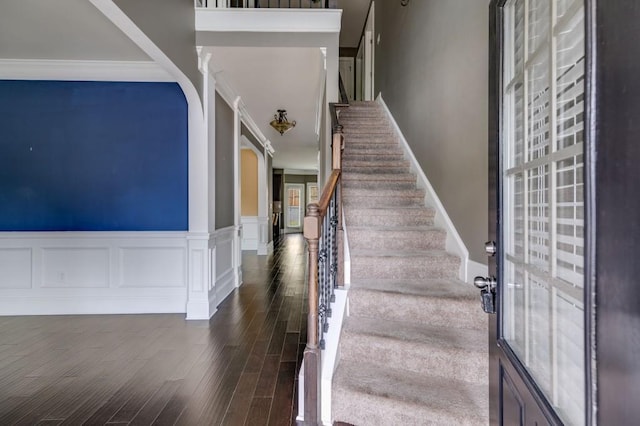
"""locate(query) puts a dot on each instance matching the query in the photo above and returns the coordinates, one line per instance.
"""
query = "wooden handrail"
(327, 192)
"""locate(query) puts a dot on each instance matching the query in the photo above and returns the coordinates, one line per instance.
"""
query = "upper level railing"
(283, 4)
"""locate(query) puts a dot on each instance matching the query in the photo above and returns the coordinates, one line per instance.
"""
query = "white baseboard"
(454, 243)
(265, 249)
(91, 305)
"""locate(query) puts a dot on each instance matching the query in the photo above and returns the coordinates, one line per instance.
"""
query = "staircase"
(413, 350)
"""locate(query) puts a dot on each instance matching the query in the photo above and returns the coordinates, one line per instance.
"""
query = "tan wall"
(249, 183)
(432, 71)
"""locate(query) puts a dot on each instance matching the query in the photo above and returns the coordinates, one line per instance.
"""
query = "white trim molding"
(268, 20)
(454, 243)
(201, 303)
(250, 232)
(227, 246)
(76, 70)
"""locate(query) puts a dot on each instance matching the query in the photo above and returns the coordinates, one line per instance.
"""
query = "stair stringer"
(453, 244)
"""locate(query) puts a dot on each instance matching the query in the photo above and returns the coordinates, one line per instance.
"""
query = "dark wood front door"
(564, 132)
(537, 337)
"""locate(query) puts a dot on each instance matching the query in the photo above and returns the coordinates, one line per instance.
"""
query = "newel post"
(312, 351)
(337, 149)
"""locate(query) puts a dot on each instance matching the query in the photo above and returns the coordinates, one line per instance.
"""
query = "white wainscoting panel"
(202, 303)
(152, 267)
(225, 240)
(250, 232)
(264, 229)
(15, 268)
(47, 273)
(82, 267)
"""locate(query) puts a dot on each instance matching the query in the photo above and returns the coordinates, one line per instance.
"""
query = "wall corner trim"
(454, 243)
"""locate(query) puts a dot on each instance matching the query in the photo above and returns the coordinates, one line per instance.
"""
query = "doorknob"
(484, 282)
(487, 286)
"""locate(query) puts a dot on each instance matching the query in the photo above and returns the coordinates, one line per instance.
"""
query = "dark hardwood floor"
(238, 368)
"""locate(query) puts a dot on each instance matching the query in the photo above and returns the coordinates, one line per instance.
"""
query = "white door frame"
(369, 55)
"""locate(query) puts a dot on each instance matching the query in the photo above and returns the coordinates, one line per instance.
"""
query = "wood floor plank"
(259, 412)
(238, 368)
(282, 405)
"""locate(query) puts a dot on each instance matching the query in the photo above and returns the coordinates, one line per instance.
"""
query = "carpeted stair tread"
(417, 254)
(460, 353)
(384, 193)
(442, 288)
(365, 394)
(388, 215)
(460, 338)
(401, 264)
(430, 302)
(397, 238)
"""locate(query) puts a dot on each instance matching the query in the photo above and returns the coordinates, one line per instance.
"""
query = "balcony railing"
(266, 4)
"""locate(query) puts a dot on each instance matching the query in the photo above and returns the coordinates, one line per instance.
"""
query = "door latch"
(487, 288)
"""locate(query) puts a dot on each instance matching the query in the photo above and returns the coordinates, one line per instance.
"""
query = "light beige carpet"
(414, 349)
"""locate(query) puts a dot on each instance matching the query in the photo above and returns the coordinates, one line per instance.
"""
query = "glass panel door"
(293, 211)
(542, 171)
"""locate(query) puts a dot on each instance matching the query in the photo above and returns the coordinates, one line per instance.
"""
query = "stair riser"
(372, 158)
(373, 140)
(375, 170)
(404, 267)
(382, 134)
(377, 184)
(387, 220)
(417, 310)
(372, 163)
(373, 201)
(366, 177)
(409, 193)
(417, 240)
(367, 149)
(464, 365)
(355, 408)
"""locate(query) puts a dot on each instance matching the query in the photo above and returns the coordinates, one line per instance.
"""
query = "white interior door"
(347, 74)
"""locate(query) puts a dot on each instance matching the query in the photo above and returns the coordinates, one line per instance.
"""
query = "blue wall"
(93, 156)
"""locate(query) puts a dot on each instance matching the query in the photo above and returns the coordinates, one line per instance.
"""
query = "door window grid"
(544, 268)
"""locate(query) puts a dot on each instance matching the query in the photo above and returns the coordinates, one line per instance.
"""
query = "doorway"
(294, 196)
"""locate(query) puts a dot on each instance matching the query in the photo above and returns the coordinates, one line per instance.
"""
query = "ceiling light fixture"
(280, 122)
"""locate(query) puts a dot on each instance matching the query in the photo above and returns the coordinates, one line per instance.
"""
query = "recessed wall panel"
(15, 268)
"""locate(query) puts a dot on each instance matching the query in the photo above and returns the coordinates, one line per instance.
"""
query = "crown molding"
(81, 70)
(224, 89)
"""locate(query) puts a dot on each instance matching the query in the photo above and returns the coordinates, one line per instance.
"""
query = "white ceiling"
(268, 79)
(63, 30)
